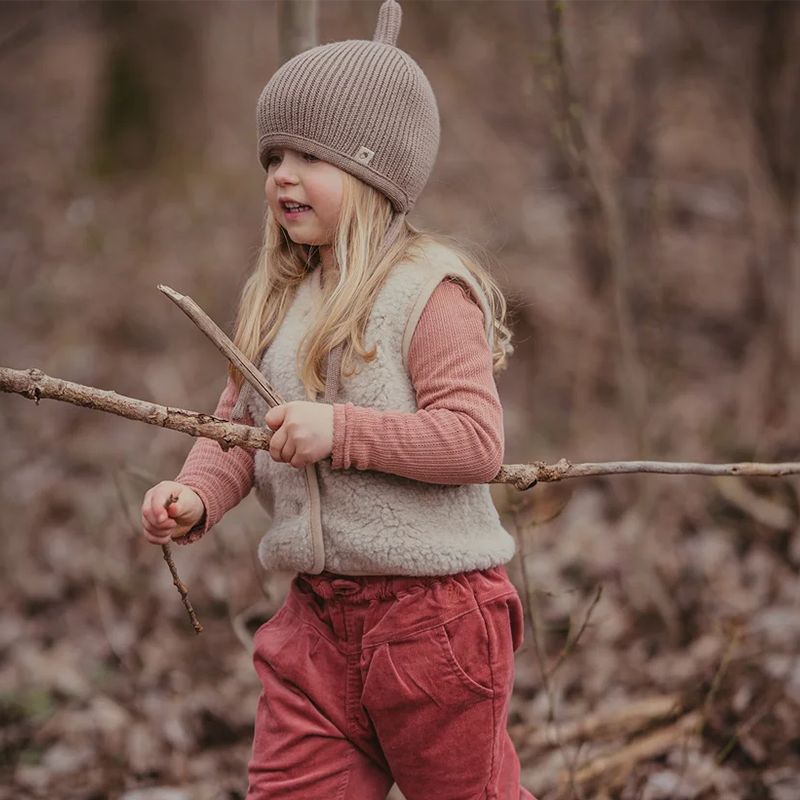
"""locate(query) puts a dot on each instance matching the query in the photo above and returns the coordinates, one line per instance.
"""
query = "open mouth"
(292, 210)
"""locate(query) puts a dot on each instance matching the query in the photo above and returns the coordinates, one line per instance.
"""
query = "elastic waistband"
(363, 588)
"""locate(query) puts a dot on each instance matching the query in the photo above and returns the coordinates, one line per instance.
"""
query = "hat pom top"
(388, 26)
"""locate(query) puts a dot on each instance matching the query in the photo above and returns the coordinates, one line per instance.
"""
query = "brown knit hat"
(365, 106)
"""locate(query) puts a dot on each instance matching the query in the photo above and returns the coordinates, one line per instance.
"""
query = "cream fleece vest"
(361, 522)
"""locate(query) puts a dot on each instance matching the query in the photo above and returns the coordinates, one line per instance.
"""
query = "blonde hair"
(283, 264)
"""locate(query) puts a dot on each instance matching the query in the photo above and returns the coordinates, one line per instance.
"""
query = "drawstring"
(332, 375)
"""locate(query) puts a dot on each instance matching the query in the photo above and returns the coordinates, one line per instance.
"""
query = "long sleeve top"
(455, 436)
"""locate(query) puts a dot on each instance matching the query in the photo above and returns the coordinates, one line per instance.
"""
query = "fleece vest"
(364, 522)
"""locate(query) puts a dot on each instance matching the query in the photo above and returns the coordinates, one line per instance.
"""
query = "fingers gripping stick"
(167, 550)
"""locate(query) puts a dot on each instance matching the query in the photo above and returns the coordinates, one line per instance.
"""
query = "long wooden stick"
(35, 385)
(523, 476)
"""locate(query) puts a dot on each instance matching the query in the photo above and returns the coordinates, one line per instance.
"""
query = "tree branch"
(35, 385)
(523, 476)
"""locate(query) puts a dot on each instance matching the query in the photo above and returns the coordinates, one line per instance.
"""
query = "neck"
(327, 260)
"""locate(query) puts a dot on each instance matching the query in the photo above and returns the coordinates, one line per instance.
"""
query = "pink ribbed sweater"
(455, 437)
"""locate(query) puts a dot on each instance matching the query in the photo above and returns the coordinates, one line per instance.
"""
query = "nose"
(284, 174)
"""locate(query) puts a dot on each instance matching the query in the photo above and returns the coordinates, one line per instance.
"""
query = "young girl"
(392, 657)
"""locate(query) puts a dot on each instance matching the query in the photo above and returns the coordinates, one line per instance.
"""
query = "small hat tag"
(364, 155)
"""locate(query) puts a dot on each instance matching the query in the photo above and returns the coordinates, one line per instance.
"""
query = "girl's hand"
(162, 524)
(303, 432)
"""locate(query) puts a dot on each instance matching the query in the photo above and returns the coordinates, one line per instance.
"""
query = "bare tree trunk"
(776, 113)
(298, 28)
(150, 103)
(585, 135)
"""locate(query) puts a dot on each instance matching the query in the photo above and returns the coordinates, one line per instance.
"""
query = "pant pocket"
(504, 622)
(466, 645)
(436, 729)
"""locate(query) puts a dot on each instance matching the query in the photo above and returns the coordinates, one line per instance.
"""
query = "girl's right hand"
(163, 524)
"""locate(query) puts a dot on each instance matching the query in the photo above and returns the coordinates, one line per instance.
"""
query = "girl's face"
(300, 178)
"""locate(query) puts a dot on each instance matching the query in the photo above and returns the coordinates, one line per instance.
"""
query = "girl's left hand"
(303, 432)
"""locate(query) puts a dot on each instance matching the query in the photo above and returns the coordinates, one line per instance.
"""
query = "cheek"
(271, 193)
(331, 197)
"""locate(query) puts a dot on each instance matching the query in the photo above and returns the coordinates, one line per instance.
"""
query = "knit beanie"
(364, 106)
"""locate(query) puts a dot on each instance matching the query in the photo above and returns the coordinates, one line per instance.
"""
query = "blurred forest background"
(634, 168)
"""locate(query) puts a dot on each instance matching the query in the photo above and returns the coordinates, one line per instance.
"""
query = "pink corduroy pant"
(370, 680)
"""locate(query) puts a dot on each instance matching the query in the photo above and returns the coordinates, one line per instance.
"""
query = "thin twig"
(742, 730)
(573, 641)
(733, 643)
(167, 550)
(531, 607)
